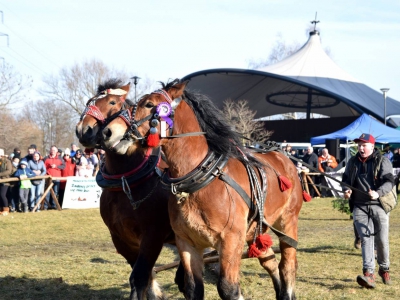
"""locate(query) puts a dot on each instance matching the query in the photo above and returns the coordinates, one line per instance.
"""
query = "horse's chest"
(191, 222)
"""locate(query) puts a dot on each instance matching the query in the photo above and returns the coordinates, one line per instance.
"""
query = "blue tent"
(364, 124)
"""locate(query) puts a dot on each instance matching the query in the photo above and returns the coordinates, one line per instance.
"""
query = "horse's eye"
(149, 105)
(113, 102)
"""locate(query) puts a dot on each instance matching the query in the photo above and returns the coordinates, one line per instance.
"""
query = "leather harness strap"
(209, 169)
(204, 174)
(283, 237)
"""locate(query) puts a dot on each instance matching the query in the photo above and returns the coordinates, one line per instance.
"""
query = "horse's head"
(151, 119)
(108, 104)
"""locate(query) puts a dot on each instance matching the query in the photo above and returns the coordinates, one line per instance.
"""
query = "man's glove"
(373, 194)
(347, 194)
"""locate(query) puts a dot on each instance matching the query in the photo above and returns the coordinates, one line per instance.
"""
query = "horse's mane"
(221, 138)
(112, 83)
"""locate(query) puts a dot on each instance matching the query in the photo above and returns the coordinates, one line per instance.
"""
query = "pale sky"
(171, 39)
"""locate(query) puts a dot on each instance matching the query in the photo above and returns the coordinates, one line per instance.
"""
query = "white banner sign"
(81, 192)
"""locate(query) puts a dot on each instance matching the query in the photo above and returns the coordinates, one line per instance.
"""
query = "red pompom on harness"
(306, 196)
(284, 183)
(260, 245)
(153, 139)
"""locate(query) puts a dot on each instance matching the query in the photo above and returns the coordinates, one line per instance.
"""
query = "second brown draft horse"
(215, 210)
(128, 181)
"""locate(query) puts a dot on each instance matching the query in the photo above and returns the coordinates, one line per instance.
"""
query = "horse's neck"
(119, 164)
(185, 153)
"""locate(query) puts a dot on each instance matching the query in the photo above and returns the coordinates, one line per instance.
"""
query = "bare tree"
(77, 84)
(239, 116)
(17, 132)
(13, 86)
(53, 120)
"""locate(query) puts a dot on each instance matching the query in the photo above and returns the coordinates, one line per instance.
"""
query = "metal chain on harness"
(127, 190)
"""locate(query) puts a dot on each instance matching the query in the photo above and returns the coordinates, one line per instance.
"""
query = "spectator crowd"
(23, 195)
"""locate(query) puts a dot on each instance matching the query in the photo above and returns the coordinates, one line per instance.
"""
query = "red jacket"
(60, 165)
(69, 170)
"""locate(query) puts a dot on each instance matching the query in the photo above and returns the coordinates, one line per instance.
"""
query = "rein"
(276, 147)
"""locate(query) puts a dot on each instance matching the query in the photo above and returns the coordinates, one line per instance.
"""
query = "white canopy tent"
(308, 81)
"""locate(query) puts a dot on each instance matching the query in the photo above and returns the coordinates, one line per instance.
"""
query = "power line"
(37, 51)
(35, 68)
(41, 53)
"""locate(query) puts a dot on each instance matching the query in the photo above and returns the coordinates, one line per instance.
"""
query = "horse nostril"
(107, 133)
(88, 130)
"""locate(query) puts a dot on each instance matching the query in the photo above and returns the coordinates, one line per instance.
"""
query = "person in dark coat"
(312, 159)
(371, 176)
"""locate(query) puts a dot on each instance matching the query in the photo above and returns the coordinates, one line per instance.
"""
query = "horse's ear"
(177, 90)
(126, 89)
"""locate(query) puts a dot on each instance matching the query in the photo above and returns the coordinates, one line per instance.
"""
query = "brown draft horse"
(138, 234)
(216, 215)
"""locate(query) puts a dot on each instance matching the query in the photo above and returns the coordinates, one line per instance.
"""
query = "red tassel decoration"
(284, 183)
(263, 242)
(153, 139)
(306, 197)
(253, 251)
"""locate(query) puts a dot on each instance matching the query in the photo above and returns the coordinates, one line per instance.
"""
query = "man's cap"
(366, 138)
(67, 151)
(23, 162)
(17, 149)
(33, 146)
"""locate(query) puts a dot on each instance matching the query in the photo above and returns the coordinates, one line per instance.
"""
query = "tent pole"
(309, 100)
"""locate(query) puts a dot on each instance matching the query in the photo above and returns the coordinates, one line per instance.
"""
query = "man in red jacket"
(54, 166)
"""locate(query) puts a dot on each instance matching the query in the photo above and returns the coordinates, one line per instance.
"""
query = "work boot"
(367, 280)
(5, 211)
(385, 276)
(357, 243)
(25, 208)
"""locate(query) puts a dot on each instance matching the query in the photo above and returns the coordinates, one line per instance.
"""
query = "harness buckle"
(180, 196)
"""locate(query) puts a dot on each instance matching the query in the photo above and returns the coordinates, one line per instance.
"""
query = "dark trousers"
(3, 195)
(13, 196)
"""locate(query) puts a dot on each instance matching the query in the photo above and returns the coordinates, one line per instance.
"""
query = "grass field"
(69, 255)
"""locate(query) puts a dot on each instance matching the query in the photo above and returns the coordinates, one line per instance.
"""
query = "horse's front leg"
(192, 263)
(230, 257)
(143, 285)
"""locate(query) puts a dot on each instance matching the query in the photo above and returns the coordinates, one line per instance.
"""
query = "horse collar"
(209, 169)
(143, 171)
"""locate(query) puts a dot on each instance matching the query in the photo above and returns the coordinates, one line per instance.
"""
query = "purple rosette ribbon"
(164, 110)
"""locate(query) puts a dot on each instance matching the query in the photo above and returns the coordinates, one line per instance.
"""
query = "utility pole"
(135, 82)
(4, 34)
